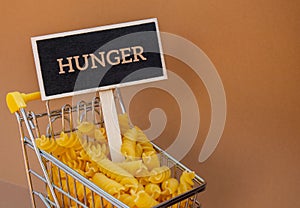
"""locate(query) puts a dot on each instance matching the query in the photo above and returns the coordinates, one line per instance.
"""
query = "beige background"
(255, 48)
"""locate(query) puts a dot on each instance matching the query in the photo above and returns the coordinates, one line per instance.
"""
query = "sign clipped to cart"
(99, 58)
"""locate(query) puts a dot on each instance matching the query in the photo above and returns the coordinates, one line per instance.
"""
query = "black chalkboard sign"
(99, 58)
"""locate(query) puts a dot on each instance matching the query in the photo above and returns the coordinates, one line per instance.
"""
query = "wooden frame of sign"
(100, 59)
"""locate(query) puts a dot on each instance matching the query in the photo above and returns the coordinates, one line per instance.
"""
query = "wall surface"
(255, 48)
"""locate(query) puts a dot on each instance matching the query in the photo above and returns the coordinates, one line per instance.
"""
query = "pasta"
(138, 150)
(153, 190)
(141, 137)
(123, 122)
(86, 128)
(187, 178)
(131, 134)
(141, 181)
(98, 202)
(76, 164)
(83, 155)
(144, 200)
(135, 167)
(69, 142)
(96, 151)
(169, 186)
(112, 170)
(128, 148)
(68, 155)
(186, 182)
(90, 169)
(151, 159)
(127, 199)
(100, 135)
(49, 145)
(159, 174)
(110, 186)
(131, 184)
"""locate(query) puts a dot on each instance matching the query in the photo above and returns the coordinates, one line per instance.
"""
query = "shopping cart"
(46, 173)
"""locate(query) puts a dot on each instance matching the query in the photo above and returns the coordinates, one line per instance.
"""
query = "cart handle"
(17, 100)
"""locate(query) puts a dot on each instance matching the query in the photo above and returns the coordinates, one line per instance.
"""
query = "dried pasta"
(49, 145)
(169, 186)
(98, 202)
(186, 182)
(100, 135)
(128, 148)
(141, 136)
(96, 151)
(135, 167)
(159, 174)
(112, 170)
(131, 184)
(90, 169)
(127, 199)
(141, 181)
(123, 122)
(110, 186)
(131, 134)
(151, 159)
(86, 128)
(138, 150)
(71, 141)
(153, 190)
(68, 155)
(144, 200)
(76, 164)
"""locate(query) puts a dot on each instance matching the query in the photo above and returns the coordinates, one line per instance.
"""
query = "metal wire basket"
(46, 173)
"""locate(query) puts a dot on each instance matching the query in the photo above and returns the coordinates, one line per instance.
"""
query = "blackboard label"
(99, 58)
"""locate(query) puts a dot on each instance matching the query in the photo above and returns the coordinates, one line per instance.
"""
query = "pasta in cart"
(74, 165)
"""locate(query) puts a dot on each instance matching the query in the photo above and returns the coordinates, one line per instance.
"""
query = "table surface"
(12, 196)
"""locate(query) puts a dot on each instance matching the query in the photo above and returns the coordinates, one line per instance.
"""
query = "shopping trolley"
(45, 173)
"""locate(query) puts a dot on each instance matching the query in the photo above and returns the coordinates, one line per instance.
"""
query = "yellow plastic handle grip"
(17, 100)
